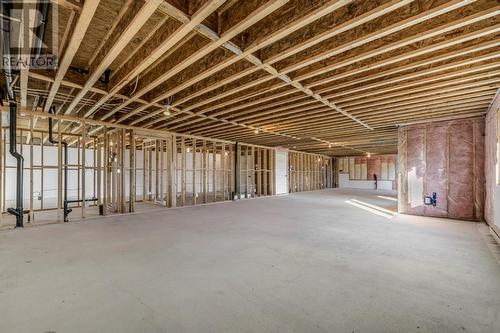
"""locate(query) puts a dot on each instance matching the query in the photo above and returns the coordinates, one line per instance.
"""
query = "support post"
(59, 170)
(132, 173)
(157, 169)
(193, 171)
(98, 171)
(223, 171)
(236, 168)
(31, 213)
(84, 161)
(183, 172)
(123, 207)
(144, 171)
(161, 173)
(205, 172)
(214, 169)
(105, 175)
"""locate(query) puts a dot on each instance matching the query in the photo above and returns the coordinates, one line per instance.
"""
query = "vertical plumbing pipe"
(6, 11)
(65, 175)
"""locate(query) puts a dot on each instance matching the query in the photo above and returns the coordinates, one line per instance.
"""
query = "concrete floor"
(308, 262)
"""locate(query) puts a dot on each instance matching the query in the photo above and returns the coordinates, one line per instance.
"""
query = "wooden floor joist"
(267, 72)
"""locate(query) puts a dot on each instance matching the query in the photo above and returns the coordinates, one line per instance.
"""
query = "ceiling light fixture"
(168, 107)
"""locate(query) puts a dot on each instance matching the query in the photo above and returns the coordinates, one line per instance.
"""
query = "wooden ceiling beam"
(442, 29)
(388, 86)
(446, 67)
(126, 6)
(319, 114)
(384, 122)
(86, 15)
(415, 53)
(313, 124)
(422, 97)
(337, 30)
(305, 122)
(129, 31)
(69, 4)
(331, 6)
(396, 45)
(397, 27)
(215, 43)
(217, 114)
(187, 26)
(448, 85)
(436, 94)
(418, 52)
(256, 111)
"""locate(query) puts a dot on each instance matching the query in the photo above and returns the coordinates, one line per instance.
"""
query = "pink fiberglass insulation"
(491, 135)
(446, 158)
(391, 159)
(479, 176)
(374, 167)
(436, 179)
(415, 167)
(461, 174)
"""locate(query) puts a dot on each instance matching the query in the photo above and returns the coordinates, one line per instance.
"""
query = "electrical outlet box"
(431, 200)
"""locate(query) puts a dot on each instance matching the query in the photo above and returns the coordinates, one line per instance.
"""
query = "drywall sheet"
(446, 158)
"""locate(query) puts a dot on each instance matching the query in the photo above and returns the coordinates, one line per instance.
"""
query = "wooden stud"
(162, 170)
(193, 171)
(172, 171)
(31, 208)
(132, 181)
(214, 171)
(84, 166)
(223, 171)
(183, 172)
(105, 170)
(59, 172)
(205, 172)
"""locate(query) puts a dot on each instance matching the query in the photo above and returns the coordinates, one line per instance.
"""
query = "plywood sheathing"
(103, 19)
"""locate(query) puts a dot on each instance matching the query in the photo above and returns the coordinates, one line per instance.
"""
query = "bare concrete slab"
(308, 262)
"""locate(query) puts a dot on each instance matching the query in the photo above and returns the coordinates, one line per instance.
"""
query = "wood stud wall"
(175, 170)
(256, 176)
(309, 172)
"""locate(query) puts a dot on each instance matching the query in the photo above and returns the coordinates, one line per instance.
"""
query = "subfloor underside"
(307, 262)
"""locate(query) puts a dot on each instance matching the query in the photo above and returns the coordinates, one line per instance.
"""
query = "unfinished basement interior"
(250, 166)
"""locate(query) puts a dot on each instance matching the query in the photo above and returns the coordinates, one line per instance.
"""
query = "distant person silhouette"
(376, 181)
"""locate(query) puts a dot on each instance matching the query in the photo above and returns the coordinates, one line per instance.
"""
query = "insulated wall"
(446, 158)
(492, 204)
(359, 172)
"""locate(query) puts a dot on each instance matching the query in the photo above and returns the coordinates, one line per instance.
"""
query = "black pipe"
(86, 200)
(66, 210)
(6, 27)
